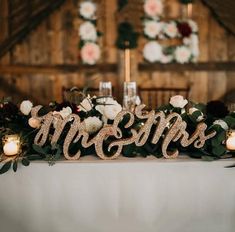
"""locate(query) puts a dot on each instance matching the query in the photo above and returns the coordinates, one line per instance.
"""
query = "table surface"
(127, 194)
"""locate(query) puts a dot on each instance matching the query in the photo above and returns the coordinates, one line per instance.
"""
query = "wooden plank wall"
(55, 42)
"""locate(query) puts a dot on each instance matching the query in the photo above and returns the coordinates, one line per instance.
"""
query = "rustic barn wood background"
(47, 59)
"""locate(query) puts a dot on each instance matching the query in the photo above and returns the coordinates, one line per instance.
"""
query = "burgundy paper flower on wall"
(184, 29)
(217, 109)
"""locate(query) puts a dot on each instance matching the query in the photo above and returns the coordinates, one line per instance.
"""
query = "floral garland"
(90, 50)
(154, 28)
(95, 115)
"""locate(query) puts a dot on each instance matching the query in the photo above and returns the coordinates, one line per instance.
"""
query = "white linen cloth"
(129, 195)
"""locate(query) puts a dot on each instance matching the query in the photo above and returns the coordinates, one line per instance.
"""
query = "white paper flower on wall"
(87, 9)
(171, 29)
(153, 8)
(87, 31)
(152, 51)
(92, 124)
(193, 25)
(152, 28)
(90, 53)
(182, 54)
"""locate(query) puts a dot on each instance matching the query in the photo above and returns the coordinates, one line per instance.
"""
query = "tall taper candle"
(127, 65)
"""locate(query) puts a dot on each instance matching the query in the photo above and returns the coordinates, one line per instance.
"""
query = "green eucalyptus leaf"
(6, 167)
(39, 149)
(230, 121)
(219, 150)
(15, 165)
(25, 162)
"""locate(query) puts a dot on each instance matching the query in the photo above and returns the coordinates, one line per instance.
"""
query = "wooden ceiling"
(19, 17)
(25, 15)
(224, 11)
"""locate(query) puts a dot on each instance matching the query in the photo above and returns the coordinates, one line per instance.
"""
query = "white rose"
(92, 124)
(26, 107)
(193, 25)
(87, 31)
(90, 53)
(192, 110)
(153, 8)
(110, 109)
(87, 9)
(178, 101)
(152, 28)
(182, 54)
(152, 51)
(171, 29)
(221, 123)
(65, 112)
(34, 123)
(86, 105)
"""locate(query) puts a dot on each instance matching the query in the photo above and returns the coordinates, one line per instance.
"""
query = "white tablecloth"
(129, 195)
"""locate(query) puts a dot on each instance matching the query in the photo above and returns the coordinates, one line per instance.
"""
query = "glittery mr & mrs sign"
(77, 131)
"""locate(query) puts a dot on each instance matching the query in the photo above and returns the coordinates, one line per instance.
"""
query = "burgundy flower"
(9, 109)
(184, 29)
(217, 109)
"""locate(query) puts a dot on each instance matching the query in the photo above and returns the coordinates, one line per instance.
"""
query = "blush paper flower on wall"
(153, 8)
(90, 53)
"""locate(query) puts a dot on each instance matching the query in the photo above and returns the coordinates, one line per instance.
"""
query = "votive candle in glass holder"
(129, 95)
(11, 145)
(230, 142)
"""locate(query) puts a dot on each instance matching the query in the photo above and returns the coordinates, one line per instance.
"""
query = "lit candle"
(11, 145)
(230, 143)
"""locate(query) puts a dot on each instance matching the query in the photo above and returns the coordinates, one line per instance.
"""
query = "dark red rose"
(184, 29)
(217, 109)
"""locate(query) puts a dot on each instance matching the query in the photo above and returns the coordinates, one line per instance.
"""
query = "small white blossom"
(34, 123)
(194, 109)
(221, 123)
(110, 109)
(65, 112)
(86, 105)
(92, 124)
(178, 101)
(26, 107)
